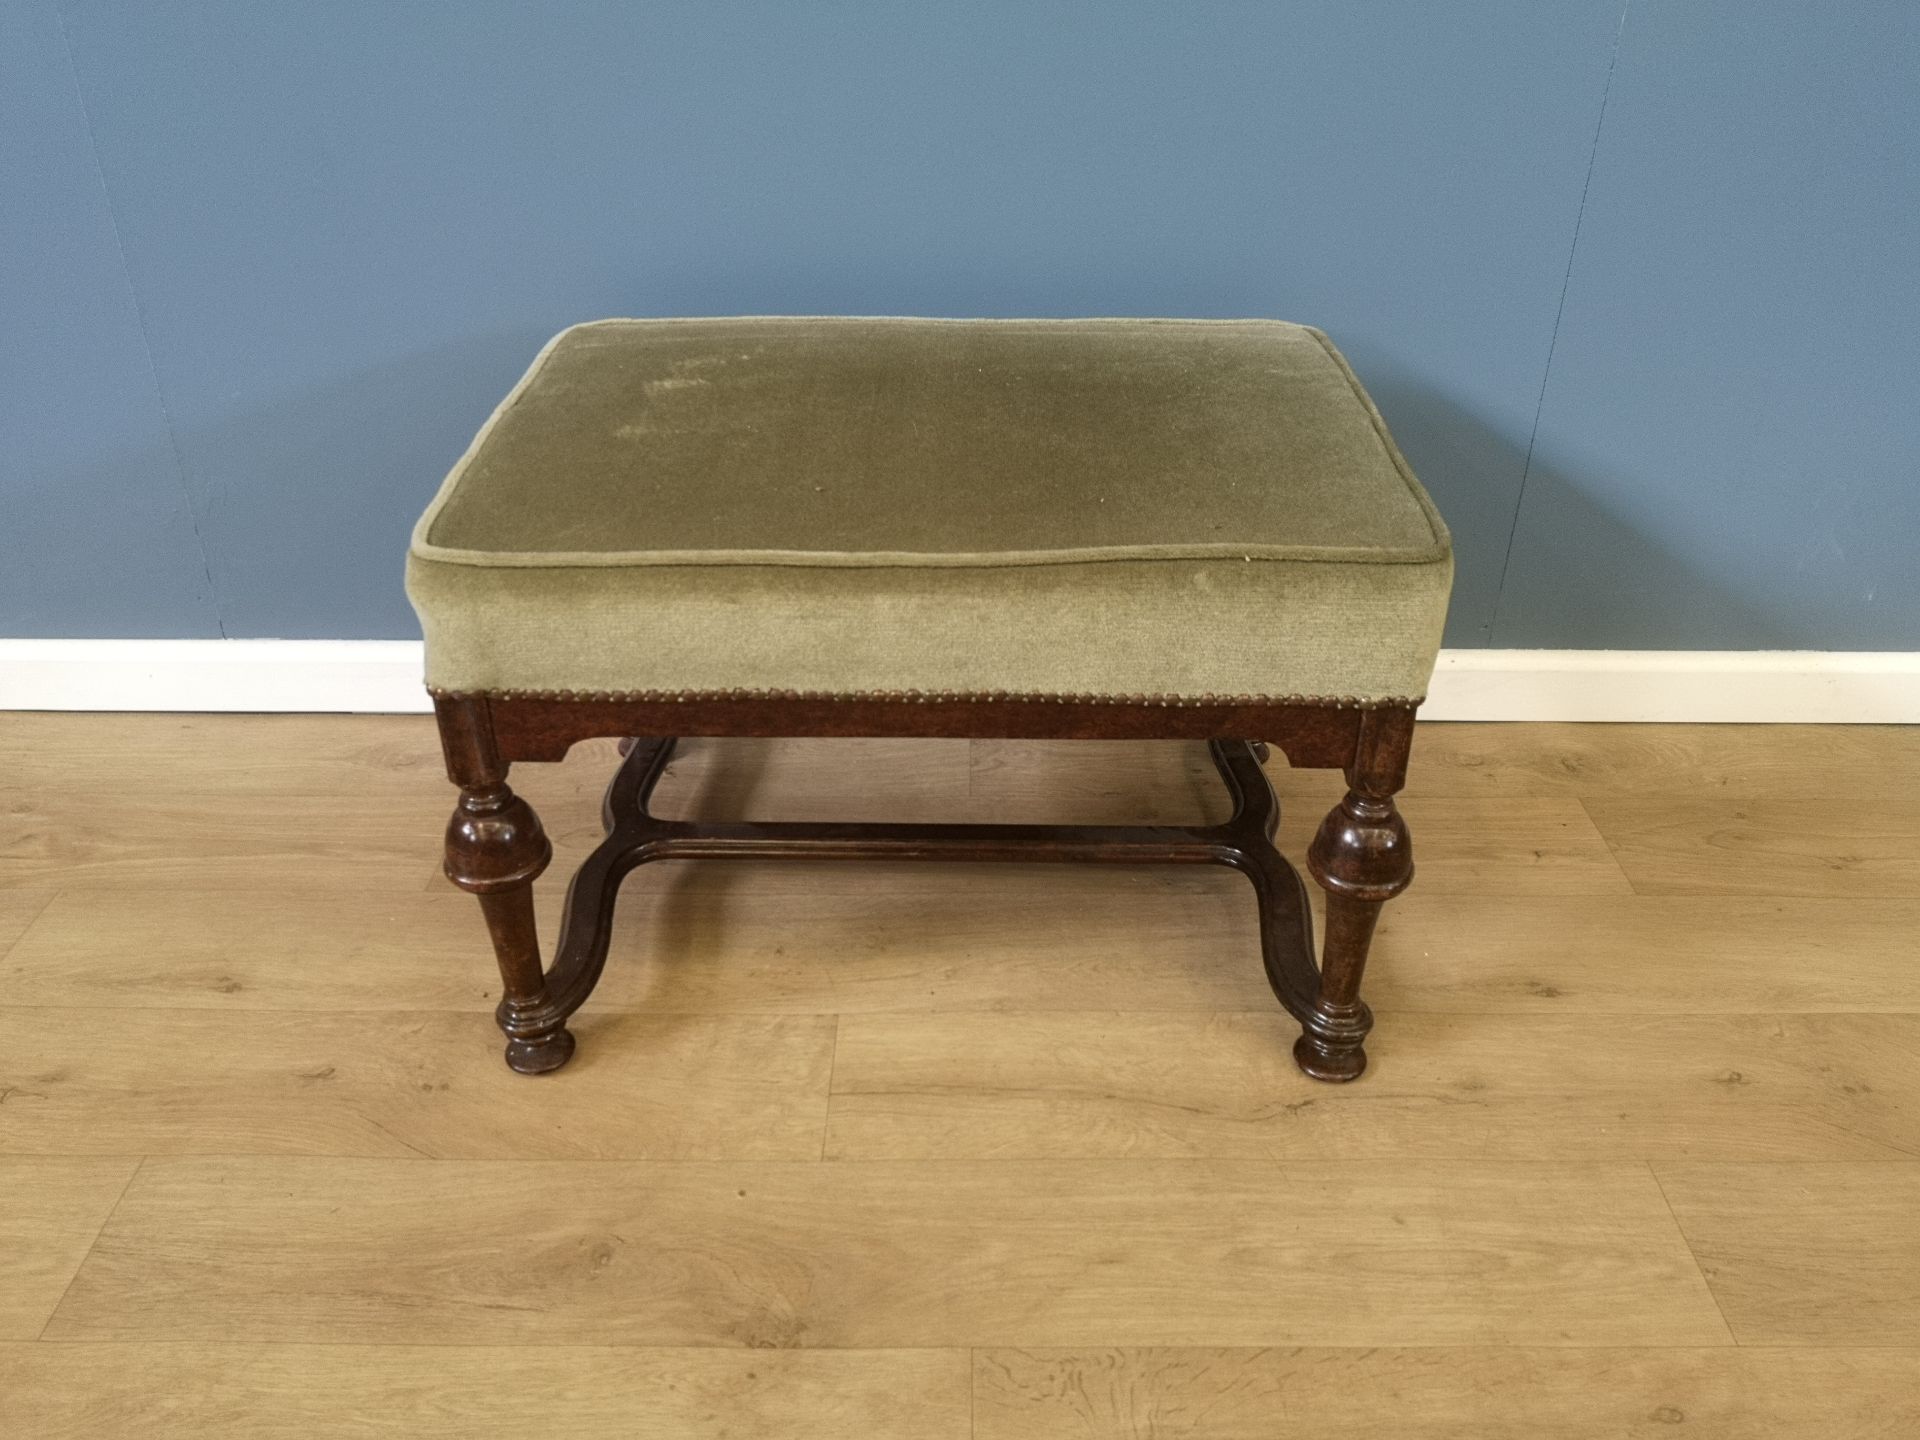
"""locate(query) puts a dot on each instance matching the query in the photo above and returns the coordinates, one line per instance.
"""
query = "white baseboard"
(1758, 686)
(249, 675)
(1805, 687)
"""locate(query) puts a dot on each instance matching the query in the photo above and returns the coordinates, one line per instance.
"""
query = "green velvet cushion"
(1107, 507)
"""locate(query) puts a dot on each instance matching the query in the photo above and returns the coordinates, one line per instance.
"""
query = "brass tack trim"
(922, 697)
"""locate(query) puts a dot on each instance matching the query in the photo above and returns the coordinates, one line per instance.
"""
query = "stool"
(1079, 529)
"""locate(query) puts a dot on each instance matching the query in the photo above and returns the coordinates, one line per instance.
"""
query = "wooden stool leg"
(1362, 857)
(496, 849)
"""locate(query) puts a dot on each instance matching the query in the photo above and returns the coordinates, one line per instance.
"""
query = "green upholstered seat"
(1114, 508)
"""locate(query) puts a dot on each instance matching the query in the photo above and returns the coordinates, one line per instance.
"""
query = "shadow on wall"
(1582, 576)
(1578, 573)
(1472, 469)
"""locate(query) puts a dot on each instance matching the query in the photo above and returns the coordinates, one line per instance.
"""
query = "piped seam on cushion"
(422, 547)
(1442, 538)
(419, 544)
(921, 559)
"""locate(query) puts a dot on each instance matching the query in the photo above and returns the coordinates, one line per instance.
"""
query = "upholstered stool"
(1162, 529)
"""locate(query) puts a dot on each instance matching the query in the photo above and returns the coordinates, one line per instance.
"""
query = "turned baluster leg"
(495, 850)
(1362, 858)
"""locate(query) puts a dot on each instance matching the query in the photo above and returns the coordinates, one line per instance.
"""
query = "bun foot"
(1318, 1061)
(538, 1056)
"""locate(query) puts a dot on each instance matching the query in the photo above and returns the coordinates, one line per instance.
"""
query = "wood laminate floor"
(960, 1151)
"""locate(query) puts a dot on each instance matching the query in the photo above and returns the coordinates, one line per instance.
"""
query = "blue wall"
(1638, 293)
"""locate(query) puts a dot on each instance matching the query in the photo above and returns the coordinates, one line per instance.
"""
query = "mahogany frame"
(1361, 855)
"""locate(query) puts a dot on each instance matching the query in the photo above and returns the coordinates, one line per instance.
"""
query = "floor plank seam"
(745, 1350)
(1694, 1255)
(92, 1245)
(40, 910)
(826, 1109)
(1613, 851)
(1475, 1012)
(1464, 1158)
(520, 1345)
